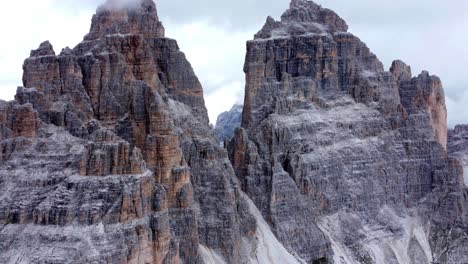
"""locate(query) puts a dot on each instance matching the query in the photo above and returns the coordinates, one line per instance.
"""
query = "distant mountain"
(227, 123)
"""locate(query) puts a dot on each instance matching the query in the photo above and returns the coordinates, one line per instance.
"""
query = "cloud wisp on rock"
(121, 4)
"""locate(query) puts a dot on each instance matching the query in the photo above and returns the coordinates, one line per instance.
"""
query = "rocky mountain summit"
(228, 122)
(347, 161)
(107, 155)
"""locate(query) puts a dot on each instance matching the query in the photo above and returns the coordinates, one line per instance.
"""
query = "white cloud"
(457, 108)
(217, 56)
(119, 4)
(224, 98)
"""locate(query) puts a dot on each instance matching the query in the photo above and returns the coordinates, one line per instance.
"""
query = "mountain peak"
(44, 49)
(126, 17)
(295, 4)
(115, 5)
(303, 17)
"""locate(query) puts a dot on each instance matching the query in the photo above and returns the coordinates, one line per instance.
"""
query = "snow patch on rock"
(179, 109)
(268, 249)
(210, 256)
(263, 248)
(405, 242)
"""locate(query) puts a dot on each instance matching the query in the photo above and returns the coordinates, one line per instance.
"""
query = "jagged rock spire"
(44, 49)
(126, 17)
(308, 11)
(303, 17)
(401, 71)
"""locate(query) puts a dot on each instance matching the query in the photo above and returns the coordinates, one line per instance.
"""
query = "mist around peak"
(124, 4)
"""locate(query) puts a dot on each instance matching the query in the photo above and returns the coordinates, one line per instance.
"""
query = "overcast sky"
(427, 34)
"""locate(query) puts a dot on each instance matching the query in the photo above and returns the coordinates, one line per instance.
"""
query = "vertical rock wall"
(107, 156)
(107, 153)
(338, 153)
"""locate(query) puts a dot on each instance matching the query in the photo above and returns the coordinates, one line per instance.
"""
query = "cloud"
(217, 58)
(224, 98)
(235, 15)
(121, 4)
(457, 108)
(7, 90)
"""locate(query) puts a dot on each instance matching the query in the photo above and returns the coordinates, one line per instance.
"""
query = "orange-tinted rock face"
(425, 93)
(109, 155)
(117, 140)
(18, 120)
(26, 121)
(124, 149)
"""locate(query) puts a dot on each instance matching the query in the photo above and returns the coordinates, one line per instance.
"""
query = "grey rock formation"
(228, 122)
(346, 161)
(108, 157)
(458, 146)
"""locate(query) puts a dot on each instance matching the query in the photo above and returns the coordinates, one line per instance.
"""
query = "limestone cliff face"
(107, 156)
(343, 158)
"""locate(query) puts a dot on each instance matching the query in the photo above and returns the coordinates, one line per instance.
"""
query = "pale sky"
(427, 34)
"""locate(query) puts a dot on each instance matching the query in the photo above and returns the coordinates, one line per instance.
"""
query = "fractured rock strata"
(107, 155)
(344, 159)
